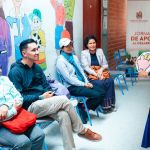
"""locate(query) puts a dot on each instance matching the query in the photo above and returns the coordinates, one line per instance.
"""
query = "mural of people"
(39, 36)
(64, 10)
(5, 41)
(60, 19)
(19, 22)
(69, 11)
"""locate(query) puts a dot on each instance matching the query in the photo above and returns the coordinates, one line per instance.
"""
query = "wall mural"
(143, 62)
(19, 25)
(39, 36)
(60, 19)
(19, 22)
(64, 11)
(69, 11)
(5, 41)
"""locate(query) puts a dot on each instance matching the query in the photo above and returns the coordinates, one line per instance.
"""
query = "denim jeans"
(32, 139)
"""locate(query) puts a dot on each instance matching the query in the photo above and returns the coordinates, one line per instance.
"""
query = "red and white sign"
(138, 26)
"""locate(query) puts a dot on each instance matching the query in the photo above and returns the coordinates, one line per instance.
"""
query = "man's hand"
(88, 85)
(3, 112)
(48, 94)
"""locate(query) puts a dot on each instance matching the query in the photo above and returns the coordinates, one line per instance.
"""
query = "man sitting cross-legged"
(38, 98)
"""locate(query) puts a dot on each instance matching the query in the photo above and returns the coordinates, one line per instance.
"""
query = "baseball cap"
(64, 42)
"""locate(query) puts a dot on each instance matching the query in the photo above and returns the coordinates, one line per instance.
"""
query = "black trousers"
(95, 95)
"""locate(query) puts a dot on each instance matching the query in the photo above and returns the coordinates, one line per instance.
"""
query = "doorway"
(92, 19)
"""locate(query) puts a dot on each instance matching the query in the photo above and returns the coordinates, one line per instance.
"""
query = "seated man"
(38, 97)
(10, 102)
(68, 66)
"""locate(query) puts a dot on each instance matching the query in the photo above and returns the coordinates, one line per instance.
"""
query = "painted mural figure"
(64, 10)
(143, 62)
(60, 19)
(39, 36)
(19, 22)
(69, 11)
(5, 41)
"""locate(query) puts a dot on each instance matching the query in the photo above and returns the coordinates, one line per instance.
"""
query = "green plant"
(128, 56)
(142, 51)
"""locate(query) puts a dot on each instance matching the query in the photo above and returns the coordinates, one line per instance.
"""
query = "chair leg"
(125, 82)
(44, 145)
(87, 111)
(131, 78)
(97, 111)
(120, 86)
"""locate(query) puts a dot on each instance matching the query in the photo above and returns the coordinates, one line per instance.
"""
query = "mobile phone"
(53, 92)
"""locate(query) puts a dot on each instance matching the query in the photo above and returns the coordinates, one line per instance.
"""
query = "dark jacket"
(30, 82)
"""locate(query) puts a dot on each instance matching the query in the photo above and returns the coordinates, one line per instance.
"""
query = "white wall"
(138, 26)
(48, 25)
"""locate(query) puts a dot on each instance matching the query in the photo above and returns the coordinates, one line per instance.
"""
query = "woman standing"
(94, 57)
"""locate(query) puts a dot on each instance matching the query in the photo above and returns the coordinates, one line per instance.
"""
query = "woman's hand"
(88, 85)
(99, 74)
(48, 94)
(3, 112)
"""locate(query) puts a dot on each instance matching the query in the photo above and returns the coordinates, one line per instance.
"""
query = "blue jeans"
(95, 95)
(32, 139)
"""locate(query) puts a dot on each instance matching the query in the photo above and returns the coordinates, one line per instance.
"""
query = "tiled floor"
(121, 130)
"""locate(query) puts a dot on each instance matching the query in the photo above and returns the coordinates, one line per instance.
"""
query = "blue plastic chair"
(119, 57)
(83, 100)
(79, 98)
(4, 147)
(118, 75)
(43, 123)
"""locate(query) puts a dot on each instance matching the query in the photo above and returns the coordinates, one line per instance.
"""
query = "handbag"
(56, 86)
(21, 122)
(105, 73)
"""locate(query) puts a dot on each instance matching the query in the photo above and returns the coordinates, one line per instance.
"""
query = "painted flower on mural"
(143, 62)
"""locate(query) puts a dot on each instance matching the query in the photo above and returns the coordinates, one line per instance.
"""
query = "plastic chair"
(80, 98)
(83, 100)
(117, 75)
(4, 147)
(43, 123)
(131, 70)
(121, 65)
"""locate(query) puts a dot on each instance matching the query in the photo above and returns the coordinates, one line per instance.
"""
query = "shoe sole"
(89, 139)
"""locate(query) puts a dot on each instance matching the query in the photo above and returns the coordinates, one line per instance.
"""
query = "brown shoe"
(91, 135)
